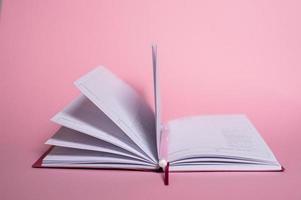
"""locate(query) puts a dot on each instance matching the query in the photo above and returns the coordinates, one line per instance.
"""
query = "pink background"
(215, 57)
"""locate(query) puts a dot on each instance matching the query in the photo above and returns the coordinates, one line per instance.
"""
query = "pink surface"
(214, 56)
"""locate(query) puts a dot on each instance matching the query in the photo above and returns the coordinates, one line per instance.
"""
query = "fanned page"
(89, 139)
(123, 105)
(109, 126)
(157, 100)
(85, 118)
(218, 142)
(72, 157)
(66, 137)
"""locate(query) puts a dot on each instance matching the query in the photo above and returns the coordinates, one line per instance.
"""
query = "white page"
(61, 155)
(200, 160)
(123, 105)
(66, 137)
(216, 135)
(83, 116)
(224, 167)
(100, 165)
(157, 99)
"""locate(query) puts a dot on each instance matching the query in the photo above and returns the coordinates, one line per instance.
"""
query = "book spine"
(163, 159)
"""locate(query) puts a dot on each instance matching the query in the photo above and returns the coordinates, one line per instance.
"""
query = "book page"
(61, 155)
(217, 136)
(66, 137)
(157, 100)
(123, 105)
(83, 116)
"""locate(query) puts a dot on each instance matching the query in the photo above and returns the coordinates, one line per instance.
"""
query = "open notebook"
(111, 126)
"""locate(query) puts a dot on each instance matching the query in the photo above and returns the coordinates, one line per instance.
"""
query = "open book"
(111, 126)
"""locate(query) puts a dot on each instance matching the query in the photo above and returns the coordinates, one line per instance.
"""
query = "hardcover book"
(111, 126)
